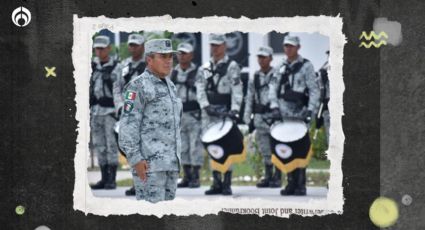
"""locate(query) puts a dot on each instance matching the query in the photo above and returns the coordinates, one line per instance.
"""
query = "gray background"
(383, 121)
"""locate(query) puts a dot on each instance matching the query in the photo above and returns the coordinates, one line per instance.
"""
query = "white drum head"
(288, 131)
(216, 131)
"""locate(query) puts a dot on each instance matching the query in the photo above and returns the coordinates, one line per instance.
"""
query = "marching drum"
(290, 145)
(224, 143)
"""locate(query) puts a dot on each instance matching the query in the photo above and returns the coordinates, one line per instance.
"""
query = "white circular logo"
(283, 151)
(215, 151)
(186, 37)
(21, 16)
(234, 42)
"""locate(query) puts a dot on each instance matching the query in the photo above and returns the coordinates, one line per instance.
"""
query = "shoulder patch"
(128, 106)
(130, 95)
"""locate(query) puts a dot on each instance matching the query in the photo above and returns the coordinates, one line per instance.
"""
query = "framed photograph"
(320, 42)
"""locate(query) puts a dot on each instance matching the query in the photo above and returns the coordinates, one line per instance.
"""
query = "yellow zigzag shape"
(372, 34)
(372, 43)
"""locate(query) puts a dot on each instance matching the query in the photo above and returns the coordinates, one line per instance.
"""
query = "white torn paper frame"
(85, 28)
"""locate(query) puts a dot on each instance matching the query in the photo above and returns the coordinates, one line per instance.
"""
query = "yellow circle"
(20, 210)
(383, 212)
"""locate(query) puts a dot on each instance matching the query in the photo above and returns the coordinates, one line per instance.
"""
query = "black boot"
(186, 177)
(276, 181)
(195, 183)
(110, 181)
(101, 184)
(290, 187)
(131, 191)
(265, 183)
(300, 189)
(227, 183)
(217, 185)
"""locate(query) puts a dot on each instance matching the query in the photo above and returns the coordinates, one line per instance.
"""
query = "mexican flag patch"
(128, 107)
(130, 95)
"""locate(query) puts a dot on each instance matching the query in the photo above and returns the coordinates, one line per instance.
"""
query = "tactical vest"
(188, 105)
(301, 99)
(138, 69)
(214, 97)
(325, 79)
(107, 82)
(260, 108)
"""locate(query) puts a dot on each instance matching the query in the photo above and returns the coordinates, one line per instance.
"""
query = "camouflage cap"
(185, 47)
(101, 41)
(265, 51)
(217, 39)
(161, 46)
(291, 40)
(137, 39)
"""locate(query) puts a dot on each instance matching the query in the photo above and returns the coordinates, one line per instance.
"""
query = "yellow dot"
(383, 212)
(20, 210)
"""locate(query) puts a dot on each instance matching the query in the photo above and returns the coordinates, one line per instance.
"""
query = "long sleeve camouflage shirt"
(230, 83)
(150, 123)
(304, 79)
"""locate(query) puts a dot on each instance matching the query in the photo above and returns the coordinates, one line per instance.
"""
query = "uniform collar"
(299, 59)
(154, 77)
(191, 67)
(224, 59)
(135, 63)
(109, 63)
(268, 73)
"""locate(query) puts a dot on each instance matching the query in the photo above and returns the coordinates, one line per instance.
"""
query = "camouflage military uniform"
(150, 130)
(257, 99)
(192, 149)
(230, 83)
(229, 88)
(300, 83)
(103, 112)
(128, 70)
(303, 80)
(324, 85)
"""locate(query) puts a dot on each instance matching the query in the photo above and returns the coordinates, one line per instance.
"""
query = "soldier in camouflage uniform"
(129, 68)
(325, 95)
(184, 76)
(294, 92)
(257, 109)
(149, 131)
(220, 89)
(102, 113)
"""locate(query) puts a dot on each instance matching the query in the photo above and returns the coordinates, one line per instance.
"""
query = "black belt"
(191, 106)
(220, 99)
(261, 109)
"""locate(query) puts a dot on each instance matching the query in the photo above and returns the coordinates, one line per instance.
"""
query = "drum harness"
(138, 69)
(222, 100)
(290, 95)
(260, 108)
(214, 97)
(107, 82)
(189, 105)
